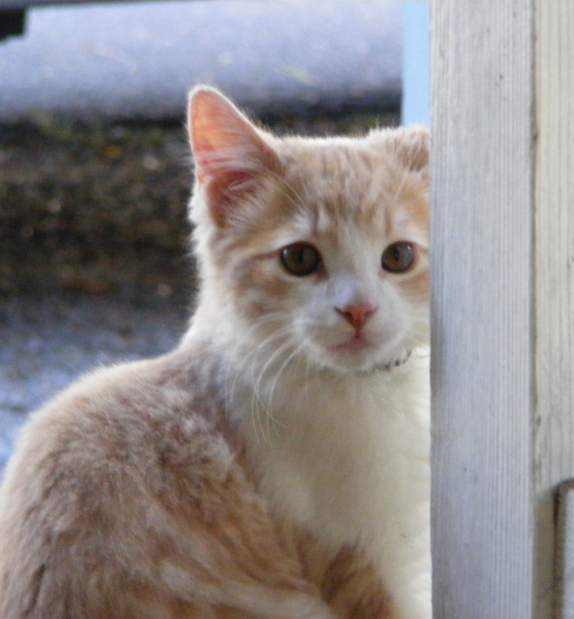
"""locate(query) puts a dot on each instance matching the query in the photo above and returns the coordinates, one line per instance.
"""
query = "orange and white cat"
(275, 465)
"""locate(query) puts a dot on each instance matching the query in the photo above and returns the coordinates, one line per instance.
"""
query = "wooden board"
(503, 309)
(554, 278)
(564, 601)
(482, 308)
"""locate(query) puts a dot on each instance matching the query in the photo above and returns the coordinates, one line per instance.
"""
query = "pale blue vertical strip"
(416, 63)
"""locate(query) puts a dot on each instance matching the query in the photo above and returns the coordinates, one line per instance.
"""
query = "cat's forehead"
(338, 185)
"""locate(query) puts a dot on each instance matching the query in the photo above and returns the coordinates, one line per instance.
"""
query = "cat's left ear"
(231, 154)
(413, 148)
(411, 145)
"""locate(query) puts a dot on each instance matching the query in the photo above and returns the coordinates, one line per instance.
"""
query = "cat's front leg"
(261, 602)
(299, 606)
(406, 575)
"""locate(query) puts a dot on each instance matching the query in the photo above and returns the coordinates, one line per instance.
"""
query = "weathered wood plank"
(564, 601)
(503, 308)
(554, 438)
(483, 337)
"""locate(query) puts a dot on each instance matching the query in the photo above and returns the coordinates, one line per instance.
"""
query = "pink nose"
(357, 314)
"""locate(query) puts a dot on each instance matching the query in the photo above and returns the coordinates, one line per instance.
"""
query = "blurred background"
(95, 170)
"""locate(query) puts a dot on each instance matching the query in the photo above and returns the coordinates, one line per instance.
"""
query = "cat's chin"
(359, 358)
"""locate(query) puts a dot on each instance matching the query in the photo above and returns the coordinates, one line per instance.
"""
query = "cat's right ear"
(412, 146)
(230, 153)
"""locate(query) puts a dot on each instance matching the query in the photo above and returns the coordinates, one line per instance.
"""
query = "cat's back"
(131, 420)
(99, 480)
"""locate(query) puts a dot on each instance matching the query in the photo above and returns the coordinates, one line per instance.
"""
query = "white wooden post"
(502, 307)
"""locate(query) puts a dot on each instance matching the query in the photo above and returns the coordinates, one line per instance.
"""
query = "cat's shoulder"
(128, 422)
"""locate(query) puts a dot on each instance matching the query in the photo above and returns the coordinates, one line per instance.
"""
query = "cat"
(275, 464)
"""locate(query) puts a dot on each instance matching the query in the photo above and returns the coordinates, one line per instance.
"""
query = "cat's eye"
(300, 259)
(398, 257)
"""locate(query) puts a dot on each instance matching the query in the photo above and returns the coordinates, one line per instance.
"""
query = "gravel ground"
(48, 341)
(102, 210)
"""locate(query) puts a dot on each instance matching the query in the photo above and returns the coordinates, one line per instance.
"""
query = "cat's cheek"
(257, 290)
(416, 289)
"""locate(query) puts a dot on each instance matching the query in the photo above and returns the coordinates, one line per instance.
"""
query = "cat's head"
(314, 248)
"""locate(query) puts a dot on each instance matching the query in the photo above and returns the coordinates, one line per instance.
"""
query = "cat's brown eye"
(300, 259)
(398, 257)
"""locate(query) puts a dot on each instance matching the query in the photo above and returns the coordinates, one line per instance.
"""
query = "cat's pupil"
(398, 257)
(300, 259)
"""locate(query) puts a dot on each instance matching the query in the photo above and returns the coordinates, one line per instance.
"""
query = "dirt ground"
(101, 210)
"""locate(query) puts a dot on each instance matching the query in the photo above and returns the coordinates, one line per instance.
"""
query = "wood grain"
(554, 422)
(482, 308)
(564, 607)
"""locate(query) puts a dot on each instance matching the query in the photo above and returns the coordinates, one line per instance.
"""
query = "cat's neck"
(345, 456)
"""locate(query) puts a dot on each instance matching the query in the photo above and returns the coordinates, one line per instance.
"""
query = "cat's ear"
(412, 145)
(230, 153)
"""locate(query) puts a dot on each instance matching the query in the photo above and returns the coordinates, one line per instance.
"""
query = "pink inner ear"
(222, 189)
(229, 152)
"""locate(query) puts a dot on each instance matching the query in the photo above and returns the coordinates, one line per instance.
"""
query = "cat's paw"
(312, 608)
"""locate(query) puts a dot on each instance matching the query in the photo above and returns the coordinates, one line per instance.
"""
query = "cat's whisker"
(257, 351)
(281, 370)
(276, 316)
(249, 361)
(267, 364)
(255, 399)
(269, 408)
(308, 370)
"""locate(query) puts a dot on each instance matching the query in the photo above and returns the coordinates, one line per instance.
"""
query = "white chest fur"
(349, 459)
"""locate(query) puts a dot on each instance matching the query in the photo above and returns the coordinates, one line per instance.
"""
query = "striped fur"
(254, 472)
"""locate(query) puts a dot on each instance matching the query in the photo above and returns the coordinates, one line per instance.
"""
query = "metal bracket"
(12, 22)
(565, 550)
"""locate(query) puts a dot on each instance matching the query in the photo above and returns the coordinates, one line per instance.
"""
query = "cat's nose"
(357, 314)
